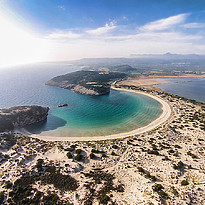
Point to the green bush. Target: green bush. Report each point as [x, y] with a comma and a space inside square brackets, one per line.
[69, 155]
[175, 192]
[78, 151]
[92, 156]
[153, 152]
[115, 146]
[157, 187]
[8, 185]
[184, 183]
[104, 155]
[140, 169]
[1, 197]
[39, 164]
[163, 194]
[78, 157]
[179, 166]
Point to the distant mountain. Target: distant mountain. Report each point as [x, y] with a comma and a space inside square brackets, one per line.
[168, 56]
[122, 68]
[167, 61]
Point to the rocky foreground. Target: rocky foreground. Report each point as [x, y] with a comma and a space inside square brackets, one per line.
[21, 116]
[164, 166]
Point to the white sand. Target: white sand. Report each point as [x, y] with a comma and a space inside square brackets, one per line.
[166, 113]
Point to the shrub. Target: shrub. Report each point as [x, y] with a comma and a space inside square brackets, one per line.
[104, 155]
[78, 157]
[1, 197]
[153, 152]
[39, 164]
[184, 183]
[69, 155]
[175, 192]
[180, 165]
[96, 151]
[92, 156]
[157, 187]
[191, 154]
[115, 146]
[189, 167]
[149, 176]
[70, 149]
[78, 151]
[163, 194]
[140, 169]
[8, 185]
[103, 199]
[120, 188]
[60, 181]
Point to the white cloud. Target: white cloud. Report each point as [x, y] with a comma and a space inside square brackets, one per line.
[165, 23]
[194, 25]
[20, 45]
[61, 7]
[102, 30]
[63, 34]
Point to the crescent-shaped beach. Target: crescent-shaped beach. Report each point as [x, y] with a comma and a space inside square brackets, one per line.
[166, 113]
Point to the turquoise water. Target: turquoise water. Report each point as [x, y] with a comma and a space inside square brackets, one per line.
[86, 115]
[193, 88]
[104, 115]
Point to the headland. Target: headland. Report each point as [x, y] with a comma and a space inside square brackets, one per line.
[87, 82]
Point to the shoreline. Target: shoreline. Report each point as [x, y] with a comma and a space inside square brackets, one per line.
[165, 115]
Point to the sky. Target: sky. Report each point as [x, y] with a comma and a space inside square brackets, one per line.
[60, 30]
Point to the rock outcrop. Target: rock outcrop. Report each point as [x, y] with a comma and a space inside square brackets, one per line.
[21, 116]
[87, 82]
[85, 91]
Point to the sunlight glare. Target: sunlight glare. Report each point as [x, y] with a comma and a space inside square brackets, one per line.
[17, 44]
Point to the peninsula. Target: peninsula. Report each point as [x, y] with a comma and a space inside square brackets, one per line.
[20, 116]
[87, 82]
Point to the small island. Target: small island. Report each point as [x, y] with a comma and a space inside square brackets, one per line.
[21, 116]
[87, 82]
[63, 105]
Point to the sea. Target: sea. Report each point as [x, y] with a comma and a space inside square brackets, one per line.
[85, 116]
[193, 88]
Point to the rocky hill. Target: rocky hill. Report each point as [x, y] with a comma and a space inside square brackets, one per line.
[87, 82]
[20, 116]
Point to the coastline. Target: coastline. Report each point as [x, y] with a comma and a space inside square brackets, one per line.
[165, 115]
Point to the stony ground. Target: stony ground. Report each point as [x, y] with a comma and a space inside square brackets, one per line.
[164, 166]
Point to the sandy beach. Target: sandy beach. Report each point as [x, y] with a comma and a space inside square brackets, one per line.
[122, 171]
[166, 112]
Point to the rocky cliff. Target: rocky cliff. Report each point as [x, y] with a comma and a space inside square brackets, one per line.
[21, 116]
[86, 91]
[87, 82]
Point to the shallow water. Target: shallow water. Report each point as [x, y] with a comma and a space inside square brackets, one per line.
[193, 88]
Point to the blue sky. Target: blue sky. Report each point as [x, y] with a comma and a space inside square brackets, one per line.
[72, 29]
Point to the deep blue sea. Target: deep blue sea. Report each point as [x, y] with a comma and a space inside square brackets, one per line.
[193, 88]
[85, 115]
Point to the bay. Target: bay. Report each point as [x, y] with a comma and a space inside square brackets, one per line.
[85, 115]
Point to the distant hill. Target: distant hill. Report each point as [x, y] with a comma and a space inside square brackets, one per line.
[168, 55]
[122, 68]
[87, 82]
[167, 61]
